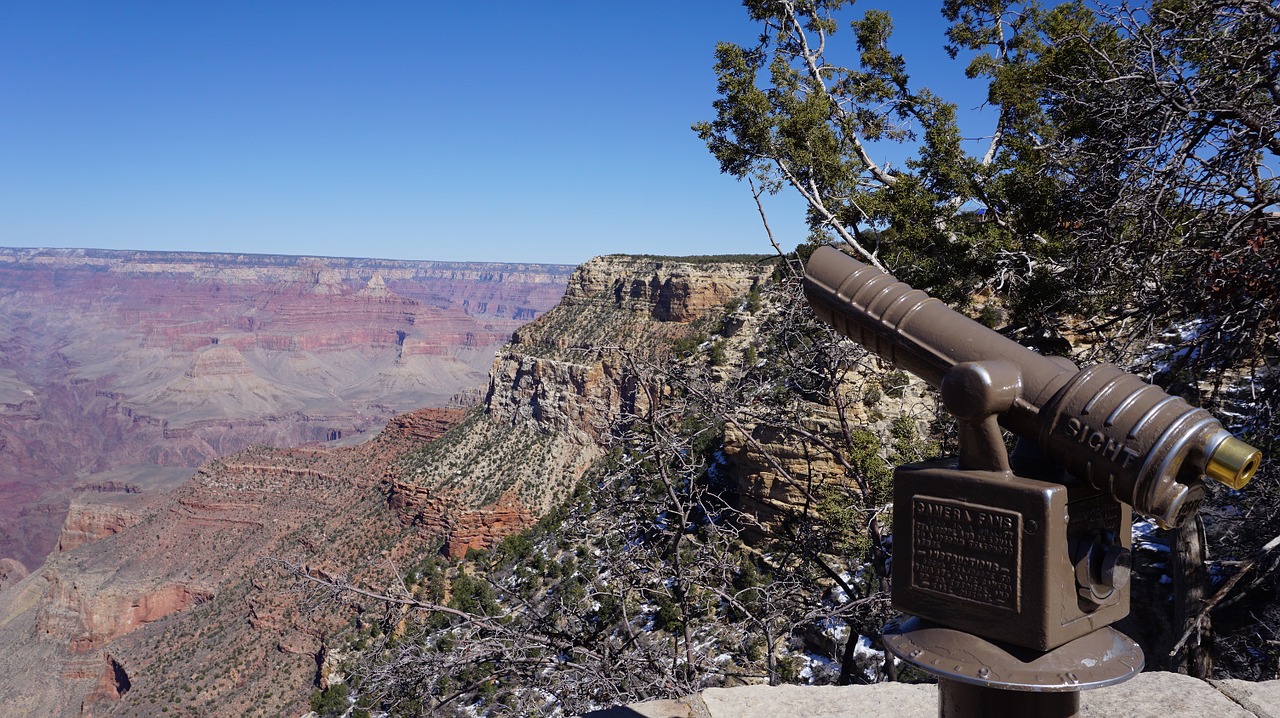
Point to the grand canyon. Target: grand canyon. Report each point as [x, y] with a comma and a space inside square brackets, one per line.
[209, 483]
[247, 420]
[134, 368]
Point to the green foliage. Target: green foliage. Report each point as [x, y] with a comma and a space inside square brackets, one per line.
[516, 546]
[798, 108]
[872, 396]
[704, 434]
[789, 669]
[687, 346]
[785, 123]
[716, 355]
[332, 701]
[472, 595]
[990, 316]
[864, 455]
[909, 446]
[668, 616]
[894, 383]
[842, 521]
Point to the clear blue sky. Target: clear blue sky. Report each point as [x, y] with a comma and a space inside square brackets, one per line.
[543, 131]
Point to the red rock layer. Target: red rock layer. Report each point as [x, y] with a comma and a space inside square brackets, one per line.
[86, 523]
[114, 358]
[195, 592]
[446, 515]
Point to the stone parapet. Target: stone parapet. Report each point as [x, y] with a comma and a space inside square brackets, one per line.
[1148, 695]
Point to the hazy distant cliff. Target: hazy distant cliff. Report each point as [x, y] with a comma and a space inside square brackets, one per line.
[110, 359]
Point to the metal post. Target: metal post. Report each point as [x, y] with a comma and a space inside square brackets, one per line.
[964, 700]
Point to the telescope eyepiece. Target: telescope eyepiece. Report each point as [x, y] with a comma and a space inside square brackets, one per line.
[1233, 463]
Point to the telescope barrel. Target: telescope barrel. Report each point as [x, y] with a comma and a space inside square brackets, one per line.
[1104, 425]
[918, 333]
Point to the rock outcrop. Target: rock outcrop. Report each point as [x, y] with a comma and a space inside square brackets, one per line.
[11, 572]
[580, 396]
[86, 523]
[560, 371]
[780, 479]
[673, 289]
[556, 390]
[89, 615]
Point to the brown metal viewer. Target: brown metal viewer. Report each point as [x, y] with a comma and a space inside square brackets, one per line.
[1013, 567]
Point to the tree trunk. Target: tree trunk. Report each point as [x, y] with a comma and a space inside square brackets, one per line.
[1188, 553]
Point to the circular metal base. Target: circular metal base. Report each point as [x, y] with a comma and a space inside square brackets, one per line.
[1102, 658]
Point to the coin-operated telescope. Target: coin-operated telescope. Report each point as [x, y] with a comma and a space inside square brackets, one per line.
[1014, 566]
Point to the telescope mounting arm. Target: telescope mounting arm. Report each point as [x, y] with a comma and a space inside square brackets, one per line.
[978, 393]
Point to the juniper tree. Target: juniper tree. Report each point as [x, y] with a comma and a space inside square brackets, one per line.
[1167, 117]
[1128, 188]
[802, 108]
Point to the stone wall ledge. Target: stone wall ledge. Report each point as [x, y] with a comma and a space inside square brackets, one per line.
[1147, 695]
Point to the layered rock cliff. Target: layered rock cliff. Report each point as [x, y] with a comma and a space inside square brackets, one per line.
[557, 389]
[110, 359]
[109, 502]
[182, 600]
[779, 478]
[612, 368]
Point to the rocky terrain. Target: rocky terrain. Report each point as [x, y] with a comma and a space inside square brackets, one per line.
[559, 386]
[110, 360]
[694, 392]
[176, 594]
[185, 601]
[182, 601]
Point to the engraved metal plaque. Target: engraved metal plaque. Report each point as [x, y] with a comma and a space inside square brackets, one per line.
[1099, 512]
[989, 553]
[966, 551]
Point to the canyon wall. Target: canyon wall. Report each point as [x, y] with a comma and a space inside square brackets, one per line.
[170, 594]
[179, 591]
[558, 388]
[112, 359]
[164, 600]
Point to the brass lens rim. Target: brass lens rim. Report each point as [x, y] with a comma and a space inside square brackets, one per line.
[1233, 463]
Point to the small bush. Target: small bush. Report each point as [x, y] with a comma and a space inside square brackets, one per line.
[894, 384]
[717, 355]
[332, 701]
